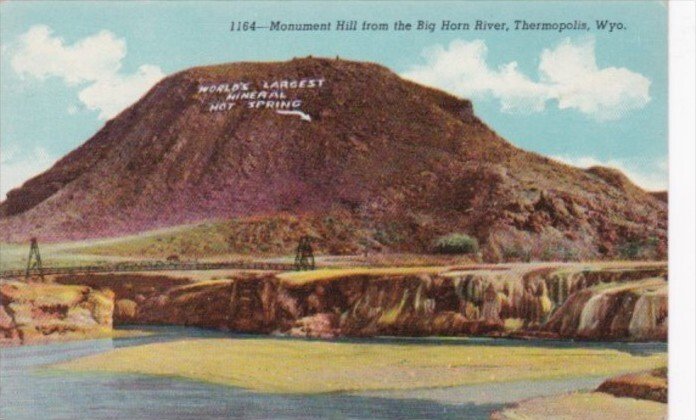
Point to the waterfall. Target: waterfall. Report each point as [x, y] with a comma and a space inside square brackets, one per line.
[644, 319]
[591, 313]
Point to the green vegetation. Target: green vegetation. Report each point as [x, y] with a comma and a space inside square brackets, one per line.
[225, 239]
[299, 366]
[188, 241]
[456, 243]
[14, 256]
[516, 252]
[639, 249]
[275, 235]
[389, 234]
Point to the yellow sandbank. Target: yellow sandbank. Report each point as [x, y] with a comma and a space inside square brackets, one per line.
[298, 366]
[581, 406]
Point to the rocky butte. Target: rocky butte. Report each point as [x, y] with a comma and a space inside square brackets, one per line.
[390, 162]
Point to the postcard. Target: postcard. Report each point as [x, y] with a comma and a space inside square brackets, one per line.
[334, 210]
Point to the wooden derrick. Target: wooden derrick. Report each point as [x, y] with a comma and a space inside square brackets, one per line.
[304, 257]
[34, 264]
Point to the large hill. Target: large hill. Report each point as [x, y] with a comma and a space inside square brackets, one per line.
[393, 164]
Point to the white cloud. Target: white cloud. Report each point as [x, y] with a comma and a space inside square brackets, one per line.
[571, 72]
[111, 94]
[568, 74]
[462, 69]
[651, 176]
[92, 63]
[15, 170]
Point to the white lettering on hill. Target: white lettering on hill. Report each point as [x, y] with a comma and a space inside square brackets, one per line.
[302, 115]
[282, 95]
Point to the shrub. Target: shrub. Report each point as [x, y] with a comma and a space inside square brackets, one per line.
[637, 249]
[516, 252]
[456, 243]
[389, 234]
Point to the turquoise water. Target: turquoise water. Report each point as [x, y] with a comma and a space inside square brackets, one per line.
[28, 392]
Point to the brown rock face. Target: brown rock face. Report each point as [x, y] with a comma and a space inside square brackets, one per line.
[643, 386]
[581, 303]
[400, 162]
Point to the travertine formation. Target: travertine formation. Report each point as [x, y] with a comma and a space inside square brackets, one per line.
[624, 303]
[33, 313]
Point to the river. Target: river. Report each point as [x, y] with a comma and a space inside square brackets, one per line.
[29, 392]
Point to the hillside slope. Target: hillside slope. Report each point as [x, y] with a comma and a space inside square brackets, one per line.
[395, 164]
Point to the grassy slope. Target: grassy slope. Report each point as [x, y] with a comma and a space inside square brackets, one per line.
[269, 235]
[14, 256]
[206, 239]
[294, 366]
[260, 236]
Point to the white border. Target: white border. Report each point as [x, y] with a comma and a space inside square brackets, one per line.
[682, 211]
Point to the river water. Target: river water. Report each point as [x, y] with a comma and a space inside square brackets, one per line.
[29, 392]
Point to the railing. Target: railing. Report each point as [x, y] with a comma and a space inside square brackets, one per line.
[153, 266]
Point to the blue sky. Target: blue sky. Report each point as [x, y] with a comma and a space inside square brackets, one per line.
[585, 97]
